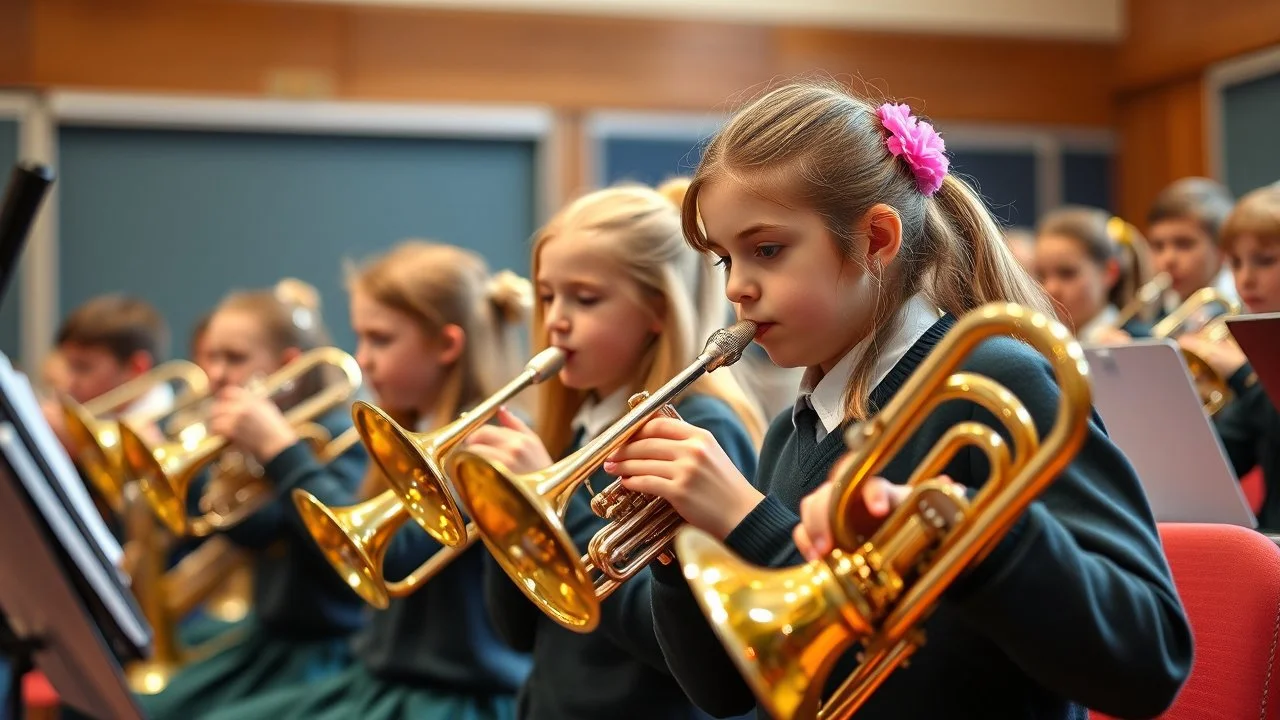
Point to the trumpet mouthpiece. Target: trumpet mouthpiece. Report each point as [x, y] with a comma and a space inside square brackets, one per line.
[725, 345]
[546, 363]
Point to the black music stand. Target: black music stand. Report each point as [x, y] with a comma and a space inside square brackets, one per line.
[64, 605]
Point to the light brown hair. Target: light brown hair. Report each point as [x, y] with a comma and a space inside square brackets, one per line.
[121, 324]
[439, 285]
[1257, 214]
[1105, 237]
[642, 228]
[1204, 201]
[816, 145]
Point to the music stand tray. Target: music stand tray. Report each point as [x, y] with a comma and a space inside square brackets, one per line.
[1259, 337]
[1151, 410]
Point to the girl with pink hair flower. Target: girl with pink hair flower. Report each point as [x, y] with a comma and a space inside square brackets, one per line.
[845, 238]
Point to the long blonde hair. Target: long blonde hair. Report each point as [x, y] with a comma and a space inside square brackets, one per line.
[816, 145]
[439, 285]
[642, 233]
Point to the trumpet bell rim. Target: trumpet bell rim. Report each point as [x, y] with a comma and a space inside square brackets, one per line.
[140, 461]
[525, 534]
[350, 560]
[97, 444]
[416, 477]
[710, 568]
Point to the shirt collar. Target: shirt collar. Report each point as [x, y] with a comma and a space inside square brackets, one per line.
[825, 393]
[595, 416]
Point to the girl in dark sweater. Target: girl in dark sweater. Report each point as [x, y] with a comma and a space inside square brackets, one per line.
[843, 235]
[615, 290]
[302, 614]
[436, 335]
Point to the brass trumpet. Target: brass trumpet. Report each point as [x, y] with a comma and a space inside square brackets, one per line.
[95, 433]
[786, 629]
[411, 462]
[521, 517]
[355, 539]
[165, 473]
[1150, 292]
[1214, 391]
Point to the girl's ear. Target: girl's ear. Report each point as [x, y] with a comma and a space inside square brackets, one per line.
[452, 341]
[883, 229]
[289, 355]
[1111, 274]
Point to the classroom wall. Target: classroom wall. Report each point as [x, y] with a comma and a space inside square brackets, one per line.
[1160, 86]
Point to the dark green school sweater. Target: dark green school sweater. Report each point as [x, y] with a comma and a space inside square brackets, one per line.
[296, 593]
[1250, 430]
[440, 636]
[619, 670]
[1075, 607]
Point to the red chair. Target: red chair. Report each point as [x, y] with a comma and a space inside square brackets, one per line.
[1229, 581]
[39, 697]
[1254, 488]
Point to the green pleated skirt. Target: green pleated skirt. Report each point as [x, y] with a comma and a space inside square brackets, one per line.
[252, 664]
[199, 628]
[358, 694]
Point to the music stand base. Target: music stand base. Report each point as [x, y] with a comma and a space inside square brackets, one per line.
[20, 652]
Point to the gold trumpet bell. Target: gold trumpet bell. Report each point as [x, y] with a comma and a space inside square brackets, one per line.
[410, 463]
[526, 535]
[785, 629]
[164, 476]
[150, 677]
[355, 539]
[98, 454]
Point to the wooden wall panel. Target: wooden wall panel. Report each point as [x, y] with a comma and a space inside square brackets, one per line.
[1175, 39]
[964, 77]
[387, 53]
[565, 61]
[15, 36]
[191, 46]
[1162, 138]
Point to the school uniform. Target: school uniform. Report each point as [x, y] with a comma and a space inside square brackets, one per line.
[1091, 331]
[1074, 607]
[304, 613]
[1250, 430]
[431, 655]
[617, 671]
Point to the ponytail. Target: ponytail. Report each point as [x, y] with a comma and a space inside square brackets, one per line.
[1136, 264]
[977, 266]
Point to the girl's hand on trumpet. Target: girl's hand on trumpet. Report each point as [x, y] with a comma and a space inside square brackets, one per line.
[684, 465]
[878, 498]
[252, 422]
[510, 442]
[1224, 357]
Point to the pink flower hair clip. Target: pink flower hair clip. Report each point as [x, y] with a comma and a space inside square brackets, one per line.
[917, 143]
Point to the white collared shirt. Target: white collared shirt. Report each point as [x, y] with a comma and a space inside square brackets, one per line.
[595, 416]
[1103, 320]
[825, 394]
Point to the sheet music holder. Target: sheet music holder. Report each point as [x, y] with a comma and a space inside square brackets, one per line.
[1152, 411]
[64, 605]
[26, 189]
[1259, 337]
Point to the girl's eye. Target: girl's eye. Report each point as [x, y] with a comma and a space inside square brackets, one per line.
[545, 299]
[723, 262]
[768, 251]
[588, 300]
